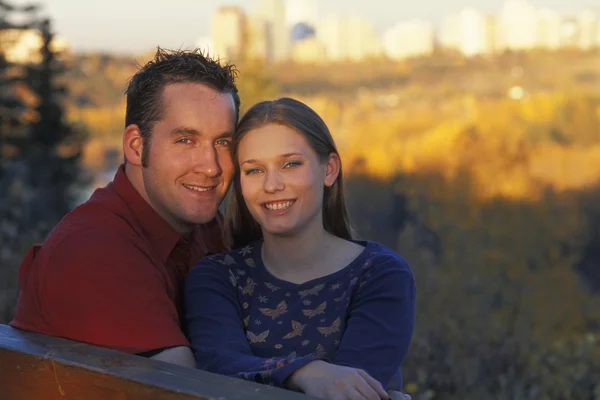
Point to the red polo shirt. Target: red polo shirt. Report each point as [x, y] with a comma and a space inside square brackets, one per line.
[111, 273]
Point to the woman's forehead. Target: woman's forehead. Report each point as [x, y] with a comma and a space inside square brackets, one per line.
[272, 140]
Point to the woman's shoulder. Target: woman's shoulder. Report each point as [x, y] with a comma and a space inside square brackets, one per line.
[379, 255]
[383, 269]
[239, 258]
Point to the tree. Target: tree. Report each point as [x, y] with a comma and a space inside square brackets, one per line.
[40, 151]
[54, 147]
[12, 167]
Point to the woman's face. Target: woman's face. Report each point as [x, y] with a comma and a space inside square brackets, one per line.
[282, 179]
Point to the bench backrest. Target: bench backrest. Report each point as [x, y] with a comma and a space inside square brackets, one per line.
[34, 366]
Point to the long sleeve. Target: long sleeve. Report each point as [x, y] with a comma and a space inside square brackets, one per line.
[216, 332]
[381, 320]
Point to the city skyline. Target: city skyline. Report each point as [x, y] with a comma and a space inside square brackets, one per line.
[137, 26]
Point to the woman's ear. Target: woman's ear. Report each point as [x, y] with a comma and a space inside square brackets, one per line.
[332, 169]
[133, 145]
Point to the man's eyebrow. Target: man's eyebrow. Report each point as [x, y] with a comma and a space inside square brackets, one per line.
[225, 135]
[185, 130]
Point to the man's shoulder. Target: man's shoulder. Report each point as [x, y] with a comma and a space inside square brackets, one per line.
[101, 224]
[104, 212]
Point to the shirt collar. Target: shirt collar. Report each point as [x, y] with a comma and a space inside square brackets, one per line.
[160, 234]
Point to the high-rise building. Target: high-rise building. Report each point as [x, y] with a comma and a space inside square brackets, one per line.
[409, 39]
[548, 27]
[569, 32]
[469, 32]
[598, 35]
[587, 27]
[348, 38]
[518, 25]
[228, 32]
[259, 40]
[449, 33]
[493, 34]
[272, 12]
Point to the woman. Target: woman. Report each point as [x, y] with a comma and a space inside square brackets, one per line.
[300, 304]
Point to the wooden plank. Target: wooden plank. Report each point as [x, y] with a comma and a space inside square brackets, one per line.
[34, 366]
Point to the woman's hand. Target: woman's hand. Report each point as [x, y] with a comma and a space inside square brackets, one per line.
[335, 382]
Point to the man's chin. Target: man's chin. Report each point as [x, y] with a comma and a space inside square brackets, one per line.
[203, 218]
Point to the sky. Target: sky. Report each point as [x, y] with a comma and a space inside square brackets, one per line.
[135, 26]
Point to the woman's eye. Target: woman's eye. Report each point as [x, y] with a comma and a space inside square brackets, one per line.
[251, 171]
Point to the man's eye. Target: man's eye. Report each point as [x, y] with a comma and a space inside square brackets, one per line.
[224, 142]
[292, 164]
[184, 141]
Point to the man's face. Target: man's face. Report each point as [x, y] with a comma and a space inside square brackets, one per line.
[189, 161]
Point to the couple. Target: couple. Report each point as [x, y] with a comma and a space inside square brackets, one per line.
[278, 292]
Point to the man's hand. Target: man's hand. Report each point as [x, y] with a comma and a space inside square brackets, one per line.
[335, 382]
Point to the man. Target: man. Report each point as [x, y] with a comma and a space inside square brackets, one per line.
[111, 272]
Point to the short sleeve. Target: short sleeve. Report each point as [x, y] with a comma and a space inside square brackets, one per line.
[105, 290]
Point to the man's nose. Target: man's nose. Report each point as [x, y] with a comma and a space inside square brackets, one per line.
[207, 161]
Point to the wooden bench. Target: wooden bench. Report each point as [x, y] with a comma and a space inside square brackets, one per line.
[34, 366]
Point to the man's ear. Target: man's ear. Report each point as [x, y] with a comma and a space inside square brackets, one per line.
[332, 169]
[133, 145]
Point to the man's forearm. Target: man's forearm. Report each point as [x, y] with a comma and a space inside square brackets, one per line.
[180, 355]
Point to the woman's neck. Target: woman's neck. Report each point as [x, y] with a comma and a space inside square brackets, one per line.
[299, 258]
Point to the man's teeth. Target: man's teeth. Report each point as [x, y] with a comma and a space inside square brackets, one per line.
[278, 206]
[198, 188]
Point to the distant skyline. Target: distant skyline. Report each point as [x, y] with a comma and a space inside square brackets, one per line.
[134, 26]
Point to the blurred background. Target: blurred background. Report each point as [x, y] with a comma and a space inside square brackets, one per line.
[469, 131]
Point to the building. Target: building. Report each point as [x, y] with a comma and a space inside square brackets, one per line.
[548, 28]
[587, 27]
[348, 38]
[517, 25]
[409, 39]
[469, 32]
[259, 40]
[228, 32]
[271, 13]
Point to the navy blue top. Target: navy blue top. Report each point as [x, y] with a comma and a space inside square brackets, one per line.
[242, 321]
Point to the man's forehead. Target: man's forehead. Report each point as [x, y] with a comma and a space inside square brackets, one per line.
[199, 90]
[194, 97]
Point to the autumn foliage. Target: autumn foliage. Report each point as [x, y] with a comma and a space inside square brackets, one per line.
[484, 174]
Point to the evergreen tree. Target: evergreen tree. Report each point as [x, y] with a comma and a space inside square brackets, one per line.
[12, 166]
[54, 147]
[39, 150]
